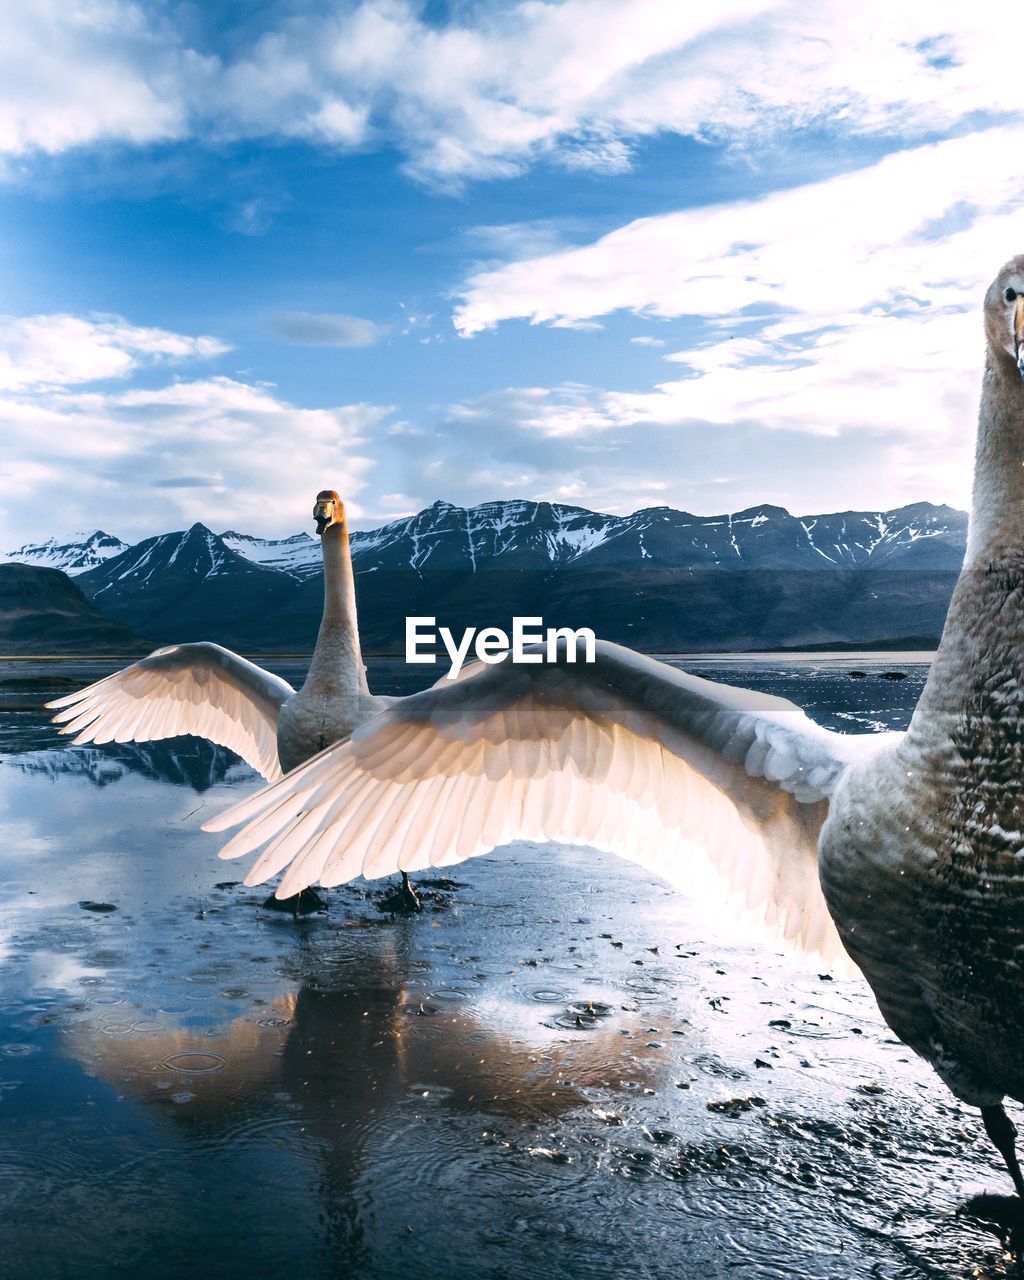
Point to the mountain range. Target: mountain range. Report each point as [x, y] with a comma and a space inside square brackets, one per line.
[659, 579]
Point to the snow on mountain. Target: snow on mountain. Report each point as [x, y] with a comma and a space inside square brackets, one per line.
[523, 535]
[514, 535]
[921, 534]
[189, 585]
[196, 554]
[541, 535]
[298, 555]
[74, 554]
[658, 578]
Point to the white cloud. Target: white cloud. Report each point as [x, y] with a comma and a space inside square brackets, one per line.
[87, 71]
[144, 459]
[501, 85]
[916, 372]
[571, 410]
[823, 251]
[848, 305]
[62, 350]
[617, 453]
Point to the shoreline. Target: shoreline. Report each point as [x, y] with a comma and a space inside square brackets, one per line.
[860, 656]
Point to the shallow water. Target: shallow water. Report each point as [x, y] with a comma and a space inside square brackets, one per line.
[559, 1069]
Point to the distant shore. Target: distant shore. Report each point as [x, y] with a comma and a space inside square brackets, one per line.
[751, 655]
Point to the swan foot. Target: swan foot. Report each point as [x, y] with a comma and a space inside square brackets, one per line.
[405, 899]
[1006, 1212]
[409, 893]
[1003, 1215]
[299, 904]
[1003, 1134]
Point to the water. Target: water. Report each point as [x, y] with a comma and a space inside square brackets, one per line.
[559, 1069]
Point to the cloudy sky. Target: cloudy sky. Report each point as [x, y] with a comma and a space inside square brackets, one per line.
[617, 253]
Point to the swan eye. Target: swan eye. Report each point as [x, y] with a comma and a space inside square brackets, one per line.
[1010, 295]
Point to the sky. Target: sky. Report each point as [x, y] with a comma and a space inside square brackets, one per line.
[610, 253]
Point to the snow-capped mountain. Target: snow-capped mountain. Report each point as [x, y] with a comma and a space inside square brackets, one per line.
[921, 535]
[543, 535]
[515, 534]
[74, 554]
[658, 579]
[188, 586]
[196, 553]
[298, 555]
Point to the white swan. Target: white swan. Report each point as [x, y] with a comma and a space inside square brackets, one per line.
[918, 838]
[206, 690]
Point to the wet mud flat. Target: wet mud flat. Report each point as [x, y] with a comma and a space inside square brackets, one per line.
[559, 1068]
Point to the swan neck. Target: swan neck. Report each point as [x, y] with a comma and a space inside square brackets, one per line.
[337, 659]
[997, 506]
[981, 651]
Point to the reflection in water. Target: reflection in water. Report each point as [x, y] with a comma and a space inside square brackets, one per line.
[564, 1073]
[358, 1070]
[369, 1047]
[185, 762]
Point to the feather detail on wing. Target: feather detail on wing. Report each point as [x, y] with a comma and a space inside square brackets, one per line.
[711, 787]
[201, 689]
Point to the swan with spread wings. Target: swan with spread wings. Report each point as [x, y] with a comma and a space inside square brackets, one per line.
[906, 849]
[207, 691]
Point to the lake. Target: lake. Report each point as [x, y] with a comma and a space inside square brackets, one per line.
[559, 1069]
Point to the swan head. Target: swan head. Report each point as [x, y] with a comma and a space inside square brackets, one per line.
[1004, 312]
[328, 510]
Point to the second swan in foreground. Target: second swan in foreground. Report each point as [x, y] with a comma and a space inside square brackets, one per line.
[917, 839]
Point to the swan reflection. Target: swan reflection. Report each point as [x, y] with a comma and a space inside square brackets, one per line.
[368, 1079]
[343, 1051]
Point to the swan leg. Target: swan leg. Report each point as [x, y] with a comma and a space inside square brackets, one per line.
[1003, 1132]
[409, 893]
[401, 901]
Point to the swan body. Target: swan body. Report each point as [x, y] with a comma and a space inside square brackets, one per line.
[902, 851]
[940, 934]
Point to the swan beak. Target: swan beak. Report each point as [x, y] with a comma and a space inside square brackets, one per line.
[328, 510]
[1018, 332]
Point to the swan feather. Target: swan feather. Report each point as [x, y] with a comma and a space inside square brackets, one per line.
[200, 689]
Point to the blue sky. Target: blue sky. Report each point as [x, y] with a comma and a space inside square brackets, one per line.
[616, 253]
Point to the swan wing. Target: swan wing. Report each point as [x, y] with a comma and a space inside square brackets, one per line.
[708, 786]
[200, 689]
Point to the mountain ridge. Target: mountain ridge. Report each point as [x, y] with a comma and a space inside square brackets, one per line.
[658, 579]
[521, 533]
